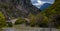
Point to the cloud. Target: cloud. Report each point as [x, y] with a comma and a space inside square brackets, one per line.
[39, 3]
[48, 1]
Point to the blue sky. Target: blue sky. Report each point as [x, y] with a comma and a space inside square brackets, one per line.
[39, 3]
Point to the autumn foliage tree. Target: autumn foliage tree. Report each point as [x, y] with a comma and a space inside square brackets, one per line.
[2, 20]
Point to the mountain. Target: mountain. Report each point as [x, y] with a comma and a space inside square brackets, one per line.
[17, 8]
[44, 6]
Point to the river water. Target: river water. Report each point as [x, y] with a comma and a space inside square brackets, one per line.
[27, 28]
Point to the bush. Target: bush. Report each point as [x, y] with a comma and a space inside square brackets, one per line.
[38, 21]
[9, 24]
[32, 20]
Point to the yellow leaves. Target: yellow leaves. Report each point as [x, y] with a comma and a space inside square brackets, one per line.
[45, 20]
[32, 18]
[2, 16]
[53, 11]
[2, 20]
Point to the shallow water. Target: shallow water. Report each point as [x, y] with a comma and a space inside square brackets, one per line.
[27, 28]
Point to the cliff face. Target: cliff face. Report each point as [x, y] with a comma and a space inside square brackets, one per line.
[16, 8]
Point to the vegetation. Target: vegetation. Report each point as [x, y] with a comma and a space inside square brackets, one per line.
[47, 18]
[2, 20]
[9, 24]
[38, 20]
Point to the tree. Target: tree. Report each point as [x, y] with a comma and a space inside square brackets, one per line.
[2, 20]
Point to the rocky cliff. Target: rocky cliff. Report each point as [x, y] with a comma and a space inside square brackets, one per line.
[16, 8]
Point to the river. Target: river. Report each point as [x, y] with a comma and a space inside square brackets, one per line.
[27, 28]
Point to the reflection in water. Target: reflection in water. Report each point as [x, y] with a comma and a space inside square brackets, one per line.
[9, 29]
[31, 29]
[27, 28]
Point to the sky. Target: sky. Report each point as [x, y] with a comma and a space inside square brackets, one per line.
[39, 3]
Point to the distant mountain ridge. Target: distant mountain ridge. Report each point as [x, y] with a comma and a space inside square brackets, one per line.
[44, 6]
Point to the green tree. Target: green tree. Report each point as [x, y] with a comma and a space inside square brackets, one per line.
[2, 20]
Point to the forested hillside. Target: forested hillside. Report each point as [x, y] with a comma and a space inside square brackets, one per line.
[49, 17]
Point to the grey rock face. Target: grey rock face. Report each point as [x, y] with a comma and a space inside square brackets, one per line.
[18, 8]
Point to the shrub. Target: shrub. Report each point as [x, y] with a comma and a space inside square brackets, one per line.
[9, 24]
